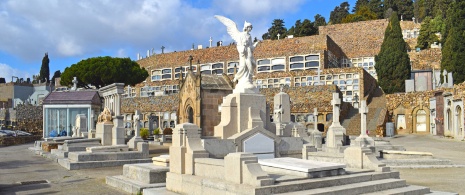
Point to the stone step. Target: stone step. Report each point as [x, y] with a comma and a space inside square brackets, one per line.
[415, 162]
[442, 193]
[328, 182]
[408, 190]
[157, 191]
[70, 165]
[131, 186]
[145, 173]
[355, 188]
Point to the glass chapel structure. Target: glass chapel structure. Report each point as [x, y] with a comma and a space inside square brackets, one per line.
[60, 110]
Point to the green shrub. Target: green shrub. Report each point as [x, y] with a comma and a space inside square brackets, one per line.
[144, 133]
[168, 131]
[156, 131]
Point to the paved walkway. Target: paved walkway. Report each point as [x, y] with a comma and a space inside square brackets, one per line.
[17, 164]
[441, 179]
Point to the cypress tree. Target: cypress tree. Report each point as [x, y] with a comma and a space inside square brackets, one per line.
[392, 62]
[44, 69]
[453, 52]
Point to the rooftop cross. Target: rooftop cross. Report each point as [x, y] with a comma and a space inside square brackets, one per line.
[190, 62]
[210, 41]
[162, 49]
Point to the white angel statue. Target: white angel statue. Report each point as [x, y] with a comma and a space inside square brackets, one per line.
[245, 47]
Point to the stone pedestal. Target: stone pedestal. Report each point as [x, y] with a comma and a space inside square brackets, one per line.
[241, 111]
[104, 132]
[335, 136]
[316, 138]
[91, 134]
[363, 141]
[118, 131]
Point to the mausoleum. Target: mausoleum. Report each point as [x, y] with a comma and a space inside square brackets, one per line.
[60, 110]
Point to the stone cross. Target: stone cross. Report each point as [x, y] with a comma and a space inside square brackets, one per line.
[315, 119]
[363, 122]
[75, 82]
[137, 117]
[210, 41]
[153, 51]
[336, 102]
[279, 35]
[162, 49]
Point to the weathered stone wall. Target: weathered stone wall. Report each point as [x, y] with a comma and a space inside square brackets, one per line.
[168, 103]
[426, 59]
[211, 99]
[30, 118]
[359, 39]
[9, 141]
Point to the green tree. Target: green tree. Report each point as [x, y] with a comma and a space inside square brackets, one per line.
[295, 30]
[360, 3]
[403, 8]
[307, 28]
[427, 35]
[319, 20]
[277, 27]
[102, 71]
[453, 52]
[363, 14]
[377, 7]
[339, 13]
[392, 62]
[44, 69]
[57, 74]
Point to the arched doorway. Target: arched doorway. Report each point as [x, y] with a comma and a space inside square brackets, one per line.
[421, 121]
[190, 114]
[459, 119]
[449, 120]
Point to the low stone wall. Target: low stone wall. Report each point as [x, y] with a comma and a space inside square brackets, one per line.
[30, 119]
[9, 141]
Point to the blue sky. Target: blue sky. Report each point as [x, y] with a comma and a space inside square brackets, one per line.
[71, 30]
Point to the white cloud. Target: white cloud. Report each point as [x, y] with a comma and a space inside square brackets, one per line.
[7, 72]
[121, 53]
[90, 27]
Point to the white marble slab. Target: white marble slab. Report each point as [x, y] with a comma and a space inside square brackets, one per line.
[301, 165]
[259, 143]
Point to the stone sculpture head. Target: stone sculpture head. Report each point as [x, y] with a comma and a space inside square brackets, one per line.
[247, 26]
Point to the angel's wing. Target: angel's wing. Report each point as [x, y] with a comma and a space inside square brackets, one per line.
[231, 27]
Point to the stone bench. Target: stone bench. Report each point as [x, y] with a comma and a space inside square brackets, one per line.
[396, 154]
[115, 148]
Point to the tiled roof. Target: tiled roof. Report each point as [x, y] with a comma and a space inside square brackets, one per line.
[73, 97]
[215, 82]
